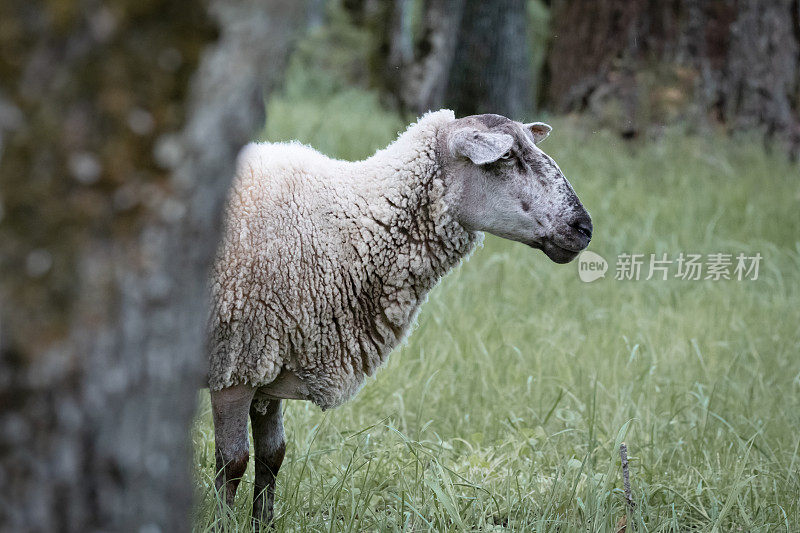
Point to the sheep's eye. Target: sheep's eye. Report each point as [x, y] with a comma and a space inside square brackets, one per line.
[506, 156]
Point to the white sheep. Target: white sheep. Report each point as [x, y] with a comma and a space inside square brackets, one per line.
[324, 263]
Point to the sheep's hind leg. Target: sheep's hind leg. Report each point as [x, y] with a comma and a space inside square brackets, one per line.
[270, 446]
[232, 450]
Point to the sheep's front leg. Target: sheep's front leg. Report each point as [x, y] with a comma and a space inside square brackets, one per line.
[270, 446]
[229, 408]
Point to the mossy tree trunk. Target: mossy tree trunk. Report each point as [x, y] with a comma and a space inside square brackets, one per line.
[119, 124]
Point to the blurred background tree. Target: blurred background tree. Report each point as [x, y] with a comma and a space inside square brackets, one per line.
[474, 57]
[631, 65]
[637, 63]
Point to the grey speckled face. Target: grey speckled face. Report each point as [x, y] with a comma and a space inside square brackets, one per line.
[502, 183]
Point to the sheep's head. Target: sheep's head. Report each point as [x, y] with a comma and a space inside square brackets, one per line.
[499, 181]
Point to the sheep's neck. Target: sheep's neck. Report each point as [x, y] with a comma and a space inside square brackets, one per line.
[423, 241]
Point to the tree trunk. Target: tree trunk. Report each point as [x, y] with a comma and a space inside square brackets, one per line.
[491, 71]
[637, 62]
[472, 56]
[112, 175]
[425, 75]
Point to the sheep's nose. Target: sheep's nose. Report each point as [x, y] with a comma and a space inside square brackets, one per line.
[583, 225]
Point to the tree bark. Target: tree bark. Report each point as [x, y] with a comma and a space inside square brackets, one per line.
[112, 176]
[639, 62]
[491, 71]
[469, 55]
[424, 75]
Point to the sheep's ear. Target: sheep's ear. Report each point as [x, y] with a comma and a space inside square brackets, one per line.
[539, 130]
[480, 147]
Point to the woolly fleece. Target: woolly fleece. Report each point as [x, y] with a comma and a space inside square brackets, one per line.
[324, 263]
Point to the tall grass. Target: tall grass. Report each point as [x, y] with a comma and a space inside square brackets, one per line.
[506, 407]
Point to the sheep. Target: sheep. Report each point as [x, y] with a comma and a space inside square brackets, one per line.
[324, 264]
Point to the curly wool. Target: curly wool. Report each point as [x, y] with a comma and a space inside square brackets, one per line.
[324, 263]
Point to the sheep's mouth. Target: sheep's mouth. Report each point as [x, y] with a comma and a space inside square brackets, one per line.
[557, 254]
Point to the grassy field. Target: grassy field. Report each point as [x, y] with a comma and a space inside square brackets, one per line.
[506, 407]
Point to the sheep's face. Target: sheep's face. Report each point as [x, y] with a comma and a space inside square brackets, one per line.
[499, 181]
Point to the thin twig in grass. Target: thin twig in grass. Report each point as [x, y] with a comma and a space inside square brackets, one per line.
[626, 481]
